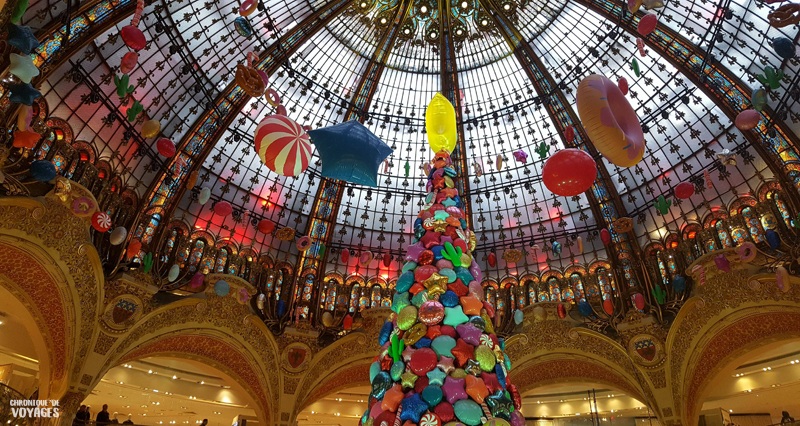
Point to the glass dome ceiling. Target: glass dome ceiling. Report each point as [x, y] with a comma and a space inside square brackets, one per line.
[381, 61]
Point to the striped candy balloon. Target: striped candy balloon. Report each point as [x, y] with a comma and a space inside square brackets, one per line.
[283, 145]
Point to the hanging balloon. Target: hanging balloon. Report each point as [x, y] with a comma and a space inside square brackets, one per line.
[638, 301]
[622, 83]
[348, 322]
[304, 243]
[647, 24]
[345, 255]
[492, 258]
[173, 273]
[608, 306]
[758, 98]
[387, 259]
[248, 7]
[134, 247]
[266, 226]
[150, 129]
[610, 121]
[499, 162]
[784, 47]
[282, 145]
[365, 258]
[605, 236]
[243, 27]
[261, 300]
[569, 172]
[580, 245]
[569, 133]
[327, 319]
[197, 279]
[782, 279]
[684, 190]
[133, 37]
[281, 309]
[747, 119]
[118, 236]
[165, 147]
[222, 288]
[440, 124]
[561, 310]
[128, 62]
[518, 316]
[204, 195]
[101, 221]
[584, 308]
[43, 170]
[192, 180]
[223, 208]
[635, 67]
[773, 239]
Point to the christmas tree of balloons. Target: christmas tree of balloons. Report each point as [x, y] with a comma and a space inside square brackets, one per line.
[440, 361]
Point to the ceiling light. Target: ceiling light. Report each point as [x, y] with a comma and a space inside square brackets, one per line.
[464, 4]
[406, 31]
[423, 9]
[150, 371]
[383, 20]
[459, 31]
[506, 6]
[484, 22]
[363, 4]
[174, 377]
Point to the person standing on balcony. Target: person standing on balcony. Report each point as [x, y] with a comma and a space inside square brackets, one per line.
[786, 418]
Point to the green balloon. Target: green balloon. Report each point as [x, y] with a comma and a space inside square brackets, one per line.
[468, 411]
[432, 395]
[397, 370]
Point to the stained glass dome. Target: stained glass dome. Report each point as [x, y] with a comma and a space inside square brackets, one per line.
[511, 69]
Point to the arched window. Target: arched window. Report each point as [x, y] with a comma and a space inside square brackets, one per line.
[555, 291]
[787, 217]
[307, 287]
[270, 282]
[196, 254]
[491, 296]
[173, 235]
[722, 232]
[375, 297]
[530, 286]
[750, 218]
[577, 287]
[355, 294]
[606, 281]
[330, 298]
[278, 284]
[222, 258]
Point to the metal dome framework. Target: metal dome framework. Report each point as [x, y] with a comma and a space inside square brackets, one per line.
[510, 69]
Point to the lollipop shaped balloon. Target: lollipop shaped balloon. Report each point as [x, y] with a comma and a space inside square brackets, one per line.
[440, 123]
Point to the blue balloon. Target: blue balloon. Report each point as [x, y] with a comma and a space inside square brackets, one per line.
[281, 307]
[784, 47]
[678, 284]
[449, 299]
[350, 152]
[222, 288]
[585, 308]
[423, 343]
[43, 170]
[501, 376]
[243, 27]
[773, 239]
[385, 334]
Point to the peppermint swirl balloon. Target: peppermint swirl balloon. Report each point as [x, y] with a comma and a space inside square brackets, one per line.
[282, 145]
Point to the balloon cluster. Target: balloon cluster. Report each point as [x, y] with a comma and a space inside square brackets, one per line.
[24, 69]
[441, 360]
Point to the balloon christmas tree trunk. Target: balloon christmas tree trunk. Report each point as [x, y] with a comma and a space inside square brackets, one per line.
[441, 362]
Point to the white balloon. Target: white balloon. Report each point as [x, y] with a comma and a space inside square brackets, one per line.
[118, 235]
[205, 194]
[518, 316]
[174, 271]
[261, 300]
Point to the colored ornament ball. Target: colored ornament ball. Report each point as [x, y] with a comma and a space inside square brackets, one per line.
[784, 47]
[747, 119]
[150, 129]
[684, 190]
[43, 170]
[101, 221]
[243, 27]
[222, 288]
[266, 226]
[569, 172]
[282, 145]
[128, 62]
[223, 208]
[133, 37]
[165, 147]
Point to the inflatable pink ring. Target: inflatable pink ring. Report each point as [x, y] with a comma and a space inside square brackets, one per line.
[610, 121]
[273, 98]
[248, 7]
[747, 252]
[365, 258]
[304, 243]
[83, 207]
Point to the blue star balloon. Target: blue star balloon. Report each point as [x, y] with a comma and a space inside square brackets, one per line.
[22, 38]
[350, 152]
[23, 94]
[413, 408]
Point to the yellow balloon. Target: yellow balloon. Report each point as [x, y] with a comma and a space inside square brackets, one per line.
[150, 128]
[440, 123]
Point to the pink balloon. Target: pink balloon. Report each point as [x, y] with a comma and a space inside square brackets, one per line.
[128, 62]
[223, 208]
[747, 119]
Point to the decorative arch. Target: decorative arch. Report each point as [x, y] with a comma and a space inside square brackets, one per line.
[217, 350]
[731, 338]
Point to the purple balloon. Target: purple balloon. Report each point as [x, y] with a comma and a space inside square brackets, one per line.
[197, 280]
[475, 270]
[517, 419]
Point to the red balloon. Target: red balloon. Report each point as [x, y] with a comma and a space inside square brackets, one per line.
[345, 255]
[101, 221]
[133, 248]
[569, 133]
[684, 190]
[266, 226]
[445, 411]
[569, 172]
[347, 323]
[638, 301]
[133, 37]
[387, 259]
[562, 311]
[385, 418]
[422, 361]
[605, 236]
[128, 62]
[492, 260]
[165, 147]
[623, 85]
[223, 208]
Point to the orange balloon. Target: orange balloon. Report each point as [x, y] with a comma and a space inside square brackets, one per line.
[476, 388]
